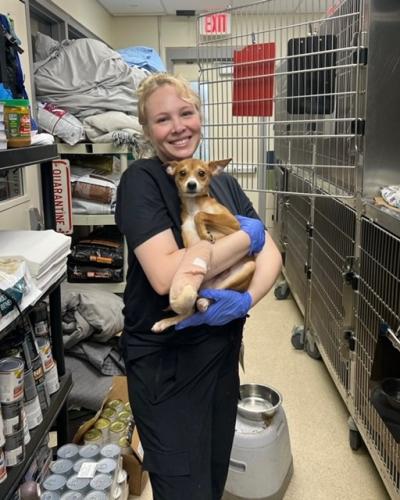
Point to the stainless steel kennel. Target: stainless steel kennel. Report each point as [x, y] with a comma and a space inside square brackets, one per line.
[303, 95]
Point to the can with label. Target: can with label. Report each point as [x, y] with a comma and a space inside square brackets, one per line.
[45, 353]
[102, 482]
[116, 404]
[40, 319]
[89, 451]
[106, 466]
[12, 417]
[3, 469]
[54, 482]
[52, 381]
[34, 415]
[103, 425]
[11, 379]
[62, 466]
[14, 449]
[93, 436]
[37, 368]
[30, 391]
[117, 431]
[80, 484]
[109, 413]
[43, 394]
[69, 450]
[110, 451]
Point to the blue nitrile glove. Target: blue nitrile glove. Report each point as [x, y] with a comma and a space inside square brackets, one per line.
[227, 306]
[255, 230]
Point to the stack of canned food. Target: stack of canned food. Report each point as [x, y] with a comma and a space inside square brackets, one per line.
[88, 472]
[115, 425]
[28, 376]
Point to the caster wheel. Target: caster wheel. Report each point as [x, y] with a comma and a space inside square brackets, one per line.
[282, 291]
[355, 439]
[311, 348]
[297, 338]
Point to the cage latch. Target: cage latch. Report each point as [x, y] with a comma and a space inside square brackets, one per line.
[307, 270]
[309, 229]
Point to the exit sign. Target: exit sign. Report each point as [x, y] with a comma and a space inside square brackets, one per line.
[216, 24]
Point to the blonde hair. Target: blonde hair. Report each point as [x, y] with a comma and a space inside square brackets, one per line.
[157, 80]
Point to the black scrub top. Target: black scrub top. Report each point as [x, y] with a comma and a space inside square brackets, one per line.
[147, 204]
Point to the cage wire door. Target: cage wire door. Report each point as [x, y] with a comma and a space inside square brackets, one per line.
[285, 92]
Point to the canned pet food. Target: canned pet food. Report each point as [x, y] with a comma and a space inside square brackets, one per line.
[117, 431]
[12, 417]
[54, 482]
[110, 451]
[45, 352]
[30, 391]
[3, 470]
[52, 382]
[40, 319]
[102, 482]
[109, 413]
[125, 416]
[33, 413]
[123, 443]
[11, 379]
[43, 393]
[14, 449]
[106, 466]
[49, 495]
[103, 425]
[37, 368]
[96, 495]
[76, 483]
[89, 451]
[70, 451]
[116, 404]
[62, 466]
[72, 495]
[78, 464]
[93, 436]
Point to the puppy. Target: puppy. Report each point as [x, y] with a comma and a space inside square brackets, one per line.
[203, 218]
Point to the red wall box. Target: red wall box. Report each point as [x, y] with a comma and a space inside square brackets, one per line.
[253, 80]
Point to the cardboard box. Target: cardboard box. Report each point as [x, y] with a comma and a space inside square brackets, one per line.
[133, 464]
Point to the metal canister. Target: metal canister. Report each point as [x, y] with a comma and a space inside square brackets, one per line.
[106, 466]
[78, 464]
[40, 319]
[110, 451]
[96, 495]
[14, 449]
[45, 353]
[109, 413]
[123, 443]
[52, 380]
[72, 495]
[30, 391]
[117, 404]
[102, 482]
[103, 425]
[34, 415]
[89, 451]
[69, 450]
[125, 416]
[3, 469]
[62, 466]
[12, 417]
[54, 482]
[37, 368]
[43, 393]
[93, 436]
[117, 431]
[80, 484]
[11, 379]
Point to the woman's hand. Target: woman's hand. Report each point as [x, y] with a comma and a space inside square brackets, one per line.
[255, 230]
[226, 306]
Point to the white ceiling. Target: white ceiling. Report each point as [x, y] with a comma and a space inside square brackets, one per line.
[169, 7]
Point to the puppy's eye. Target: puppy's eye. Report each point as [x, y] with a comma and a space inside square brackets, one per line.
[201, 173]
[182, 173]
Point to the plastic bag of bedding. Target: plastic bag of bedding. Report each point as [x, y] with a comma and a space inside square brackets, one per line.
[60, 123]
[391, 194]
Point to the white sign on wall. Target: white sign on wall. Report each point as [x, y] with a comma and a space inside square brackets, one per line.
[216, 24]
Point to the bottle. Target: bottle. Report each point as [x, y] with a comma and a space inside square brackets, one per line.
[17, 120]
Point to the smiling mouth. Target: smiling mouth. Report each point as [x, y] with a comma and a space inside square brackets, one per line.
[181, 142]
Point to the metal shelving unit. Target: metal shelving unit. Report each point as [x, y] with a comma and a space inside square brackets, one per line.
[19, 158]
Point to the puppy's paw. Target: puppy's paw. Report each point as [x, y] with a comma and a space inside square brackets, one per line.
[159, 327]
[202, 304]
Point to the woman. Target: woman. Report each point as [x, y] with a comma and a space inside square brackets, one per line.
[183, 384]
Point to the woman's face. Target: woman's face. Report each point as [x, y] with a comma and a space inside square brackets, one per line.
[173, 124]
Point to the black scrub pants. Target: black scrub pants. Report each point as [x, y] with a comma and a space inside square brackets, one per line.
[184, 400]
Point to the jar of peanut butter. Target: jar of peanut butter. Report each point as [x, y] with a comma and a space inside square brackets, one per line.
[17, 122]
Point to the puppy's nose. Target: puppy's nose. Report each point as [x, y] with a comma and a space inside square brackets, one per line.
[191, 185]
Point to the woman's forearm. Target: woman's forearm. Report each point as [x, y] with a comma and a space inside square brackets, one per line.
[227, 251]
[268, 267]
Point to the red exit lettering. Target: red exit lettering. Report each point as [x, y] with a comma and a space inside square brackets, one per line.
[214, 24]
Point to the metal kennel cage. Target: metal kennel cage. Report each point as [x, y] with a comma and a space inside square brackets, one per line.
[291, 91]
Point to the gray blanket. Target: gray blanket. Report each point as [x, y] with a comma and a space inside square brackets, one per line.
[84, 76]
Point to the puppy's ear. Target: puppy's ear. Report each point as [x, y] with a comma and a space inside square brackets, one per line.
[171, 167]
[218, 165]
